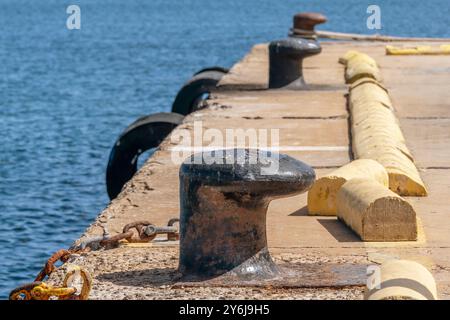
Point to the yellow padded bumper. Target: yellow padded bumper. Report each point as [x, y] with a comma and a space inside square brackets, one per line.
[358, 66]
[376, 132]
[418, 50]
[402, 280]
[374, 212]
[322, 195]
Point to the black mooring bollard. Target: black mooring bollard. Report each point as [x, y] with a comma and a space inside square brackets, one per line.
[286, 56]
[224, 206]
[286, 61]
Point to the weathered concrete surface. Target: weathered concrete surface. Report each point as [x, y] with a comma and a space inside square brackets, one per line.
[316, 118]
[149, 273]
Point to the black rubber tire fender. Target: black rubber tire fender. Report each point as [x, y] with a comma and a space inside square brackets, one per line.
[201, 83]
[215, 68]
[143, 134]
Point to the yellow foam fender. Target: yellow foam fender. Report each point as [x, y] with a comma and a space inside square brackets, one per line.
[401, 280]
[322, 195]
[376, 132]
[418, 50]
[374, 212]
[359, 65]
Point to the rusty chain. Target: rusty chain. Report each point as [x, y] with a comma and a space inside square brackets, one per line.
[146, 232]
[39, 290]
[60, 255]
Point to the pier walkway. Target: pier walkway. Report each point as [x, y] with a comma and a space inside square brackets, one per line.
[313, 127]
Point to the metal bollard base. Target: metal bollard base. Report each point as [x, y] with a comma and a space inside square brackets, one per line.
[305, 275]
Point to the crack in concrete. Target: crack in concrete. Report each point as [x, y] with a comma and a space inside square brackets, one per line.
[315, 118]
[426, 118]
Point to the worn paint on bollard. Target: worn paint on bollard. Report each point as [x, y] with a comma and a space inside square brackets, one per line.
[224, 206]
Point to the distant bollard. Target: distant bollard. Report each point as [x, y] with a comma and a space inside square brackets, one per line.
[286, 56]
[402, 280]
[223, 211]
[305, 22]
[286, 61]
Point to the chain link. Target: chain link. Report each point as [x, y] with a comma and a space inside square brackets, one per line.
[146, 232]
[39, 290]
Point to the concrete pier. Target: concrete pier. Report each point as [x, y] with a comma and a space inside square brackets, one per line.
[313, 127]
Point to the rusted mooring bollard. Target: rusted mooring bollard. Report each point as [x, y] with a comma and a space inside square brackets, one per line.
[306, 22]
[224, 206]
[286, 56]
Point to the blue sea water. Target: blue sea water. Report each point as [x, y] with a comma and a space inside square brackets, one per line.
[65, 95]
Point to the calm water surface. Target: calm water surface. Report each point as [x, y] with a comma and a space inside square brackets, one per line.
[66, 95]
